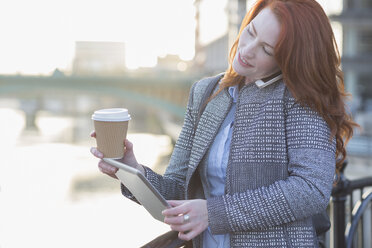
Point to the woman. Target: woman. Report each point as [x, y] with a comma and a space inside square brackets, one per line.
[261, 160]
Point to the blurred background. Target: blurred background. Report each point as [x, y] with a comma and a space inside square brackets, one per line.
[61, 60]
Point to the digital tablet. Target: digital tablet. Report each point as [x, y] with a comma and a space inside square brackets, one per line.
[141, 188]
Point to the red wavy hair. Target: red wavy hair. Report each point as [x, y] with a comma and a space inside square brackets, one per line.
[308, 57]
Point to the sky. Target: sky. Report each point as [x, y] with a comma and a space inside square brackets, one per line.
[39, 36]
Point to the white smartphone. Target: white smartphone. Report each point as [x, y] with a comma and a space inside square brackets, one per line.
[141, 188]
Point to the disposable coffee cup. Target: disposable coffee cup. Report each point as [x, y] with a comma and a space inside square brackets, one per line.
[111, 126]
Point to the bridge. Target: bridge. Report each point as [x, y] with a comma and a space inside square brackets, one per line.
[167, 94]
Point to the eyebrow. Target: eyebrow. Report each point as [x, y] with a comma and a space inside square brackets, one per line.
[255, 32]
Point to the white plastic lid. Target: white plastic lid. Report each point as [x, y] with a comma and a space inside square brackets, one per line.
[112, 114]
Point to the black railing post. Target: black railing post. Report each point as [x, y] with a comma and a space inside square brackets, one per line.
[338, 217]
[338, 213]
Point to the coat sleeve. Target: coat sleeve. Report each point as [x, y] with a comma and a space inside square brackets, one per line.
[172, 184]
[305, 192]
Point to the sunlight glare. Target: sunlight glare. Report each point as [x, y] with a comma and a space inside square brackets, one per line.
[12, 123]
[40, 35]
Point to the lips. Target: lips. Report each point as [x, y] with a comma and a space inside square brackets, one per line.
[243, 62]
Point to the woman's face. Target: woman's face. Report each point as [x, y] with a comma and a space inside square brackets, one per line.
[254, 57]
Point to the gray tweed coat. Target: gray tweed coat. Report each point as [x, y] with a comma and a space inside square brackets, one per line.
[280, 169]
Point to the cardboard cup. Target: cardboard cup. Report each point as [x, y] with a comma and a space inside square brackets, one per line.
[111, 126]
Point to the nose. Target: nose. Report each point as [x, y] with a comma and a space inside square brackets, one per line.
[248, 50]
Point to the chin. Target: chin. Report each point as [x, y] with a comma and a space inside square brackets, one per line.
[242, 72]
[239, 70]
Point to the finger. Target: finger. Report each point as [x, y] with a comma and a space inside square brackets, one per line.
[174, 220]
[183, 228]
[106, 168]
[93, 134]
[113, 176]
[175, 211]
[128, 145]
[175, 203]
[188, 235]
[96, 153]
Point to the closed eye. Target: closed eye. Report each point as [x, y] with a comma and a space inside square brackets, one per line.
[266, 51]
[249, 31]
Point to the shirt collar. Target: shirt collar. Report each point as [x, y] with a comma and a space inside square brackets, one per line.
[234, 92]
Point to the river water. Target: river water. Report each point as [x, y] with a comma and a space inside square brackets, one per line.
[52, 194]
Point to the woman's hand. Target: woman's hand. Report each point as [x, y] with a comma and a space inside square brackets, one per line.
[189, 217]
[129, 159]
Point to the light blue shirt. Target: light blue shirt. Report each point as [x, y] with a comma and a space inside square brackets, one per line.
[216, 172]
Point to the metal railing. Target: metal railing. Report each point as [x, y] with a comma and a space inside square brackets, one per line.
[351, 226]
[360, 146]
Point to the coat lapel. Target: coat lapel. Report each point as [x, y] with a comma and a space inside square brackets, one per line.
[210, 121]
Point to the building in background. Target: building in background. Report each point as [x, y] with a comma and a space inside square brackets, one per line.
[216, 55]
[171, 62]
[356, 21]
[236, 10]
[99, 58]
[212, 57]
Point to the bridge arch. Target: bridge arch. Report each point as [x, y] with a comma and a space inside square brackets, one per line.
[127, 88]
